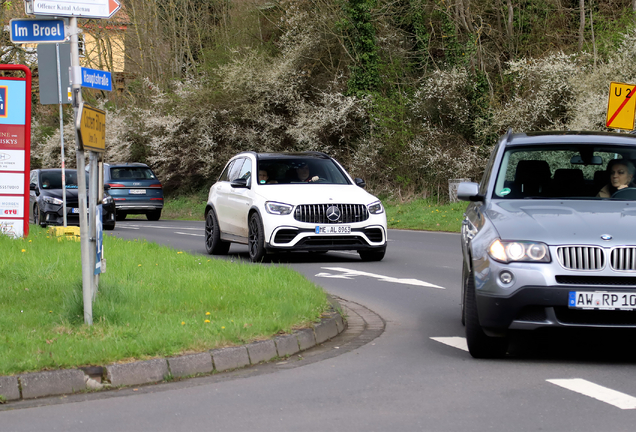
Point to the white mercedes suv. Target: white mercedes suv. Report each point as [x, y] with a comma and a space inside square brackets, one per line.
[292, 202]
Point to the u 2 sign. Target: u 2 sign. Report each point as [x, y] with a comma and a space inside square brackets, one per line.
[621, 106]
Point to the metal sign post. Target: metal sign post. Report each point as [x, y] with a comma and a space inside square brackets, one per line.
[59, 99]
[85, 243]
[90, 124]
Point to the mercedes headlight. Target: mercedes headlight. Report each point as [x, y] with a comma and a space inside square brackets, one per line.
[278, 208]
[51, 200]
[376, 208]
[519, 251]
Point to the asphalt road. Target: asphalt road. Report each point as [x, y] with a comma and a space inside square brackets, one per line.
[417, 375]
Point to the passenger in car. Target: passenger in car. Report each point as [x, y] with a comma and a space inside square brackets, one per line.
[263, 177]
[621, 175]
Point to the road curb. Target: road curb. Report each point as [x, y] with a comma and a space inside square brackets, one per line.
[68, 381]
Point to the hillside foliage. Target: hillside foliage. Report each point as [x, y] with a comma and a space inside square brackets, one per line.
[406, 94]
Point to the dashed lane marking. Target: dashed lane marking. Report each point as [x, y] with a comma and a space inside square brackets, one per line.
[455, 342]
[350, 273]
[190, 234]
[604, 394]
[160, 227]
[127, 227]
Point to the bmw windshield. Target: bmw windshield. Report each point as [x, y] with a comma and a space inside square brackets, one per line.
[567, 172]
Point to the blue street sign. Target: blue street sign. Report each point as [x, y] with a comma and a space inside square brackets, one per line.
[37, 31]
[96, 79]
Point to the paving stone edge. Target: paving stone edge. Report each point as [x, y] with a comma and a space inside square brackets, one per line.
[67, 381]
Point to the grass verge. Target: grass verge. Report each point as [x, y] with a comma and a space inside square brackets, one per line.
[153, 301]
[420, 214]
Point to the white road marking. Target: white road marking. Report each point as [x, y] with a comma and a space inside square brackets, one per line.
[126, 227]
[604, 394]
[190, 234]
[329, 275]
[348, 273]
[455, 342]
[163, 227]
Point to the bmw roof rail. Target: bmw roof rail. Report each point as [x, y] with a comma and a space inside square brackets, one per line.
[508, 136]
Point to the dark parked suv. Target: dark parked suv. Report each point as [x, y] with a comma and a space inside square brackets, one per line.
[135, 189]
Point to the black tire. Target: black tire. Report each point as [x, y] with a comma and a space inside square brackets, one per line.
[154, 215]
[256, 238]
[480, 345]
[109, 227]
[36, 216]
[213, 243]
[463, 299]
[369, 256]
[120, 216]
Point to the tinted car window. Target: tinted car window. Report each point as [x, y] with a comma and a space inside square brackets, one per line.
[53, 179]
[225, 175]
[131, 173]
[236, 169]
[246, 170]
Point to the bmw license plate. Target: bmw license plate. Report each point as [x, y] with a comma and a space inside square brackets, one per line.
[137, 191]
[333, 229]
[607, 300]
[75, 210]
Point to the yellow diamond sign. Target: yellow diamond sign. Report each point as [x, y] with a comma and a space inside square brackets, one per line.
[621, 106]
[93, 128]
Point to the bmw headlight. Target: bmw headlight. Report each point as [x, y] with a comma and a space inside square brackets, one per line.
[51, 200]
[376, 208]
[278, 208]
[515, 251]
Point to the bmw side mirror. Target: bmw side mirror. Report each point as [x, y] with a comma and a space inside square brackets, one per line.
[360, 182]
[469, 191]
[239, 183]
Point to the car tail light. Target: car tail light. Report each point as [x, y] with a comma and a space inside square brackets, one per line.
[156, 185]
[115, 185]
[156, 199]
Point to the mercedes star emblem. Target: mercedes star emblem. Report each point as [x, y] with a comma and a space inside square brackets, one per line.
[333, 213]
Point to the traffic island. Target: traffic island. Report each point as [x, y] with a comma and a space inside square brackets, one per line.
[96, 378]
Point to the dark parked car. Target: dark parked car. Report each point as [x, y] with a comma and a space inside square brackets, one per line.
[548, 239]
[135, 189]
[46, 200]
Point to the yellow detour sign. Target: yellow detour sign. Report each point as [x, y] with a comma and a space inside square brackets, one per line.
[621, 106]
[93, 128]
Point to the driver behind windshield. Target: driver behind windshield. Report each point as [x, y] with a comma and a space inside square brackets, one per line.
[621, 174]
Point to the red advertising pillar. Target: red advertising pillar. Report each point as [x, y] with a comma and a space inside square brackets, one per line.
[15, 151]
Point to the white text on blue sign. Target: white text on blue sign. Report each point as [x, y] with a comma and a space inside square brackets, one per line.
[96, 79]
[33, 31]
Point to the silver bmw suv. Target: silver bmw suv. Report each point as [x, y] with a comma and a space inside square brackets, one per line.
[548, 238]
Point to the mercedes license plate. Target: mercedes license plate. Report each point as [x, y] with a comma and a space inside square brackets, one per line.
[137, 191]
[607, 300]
[333, 229]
